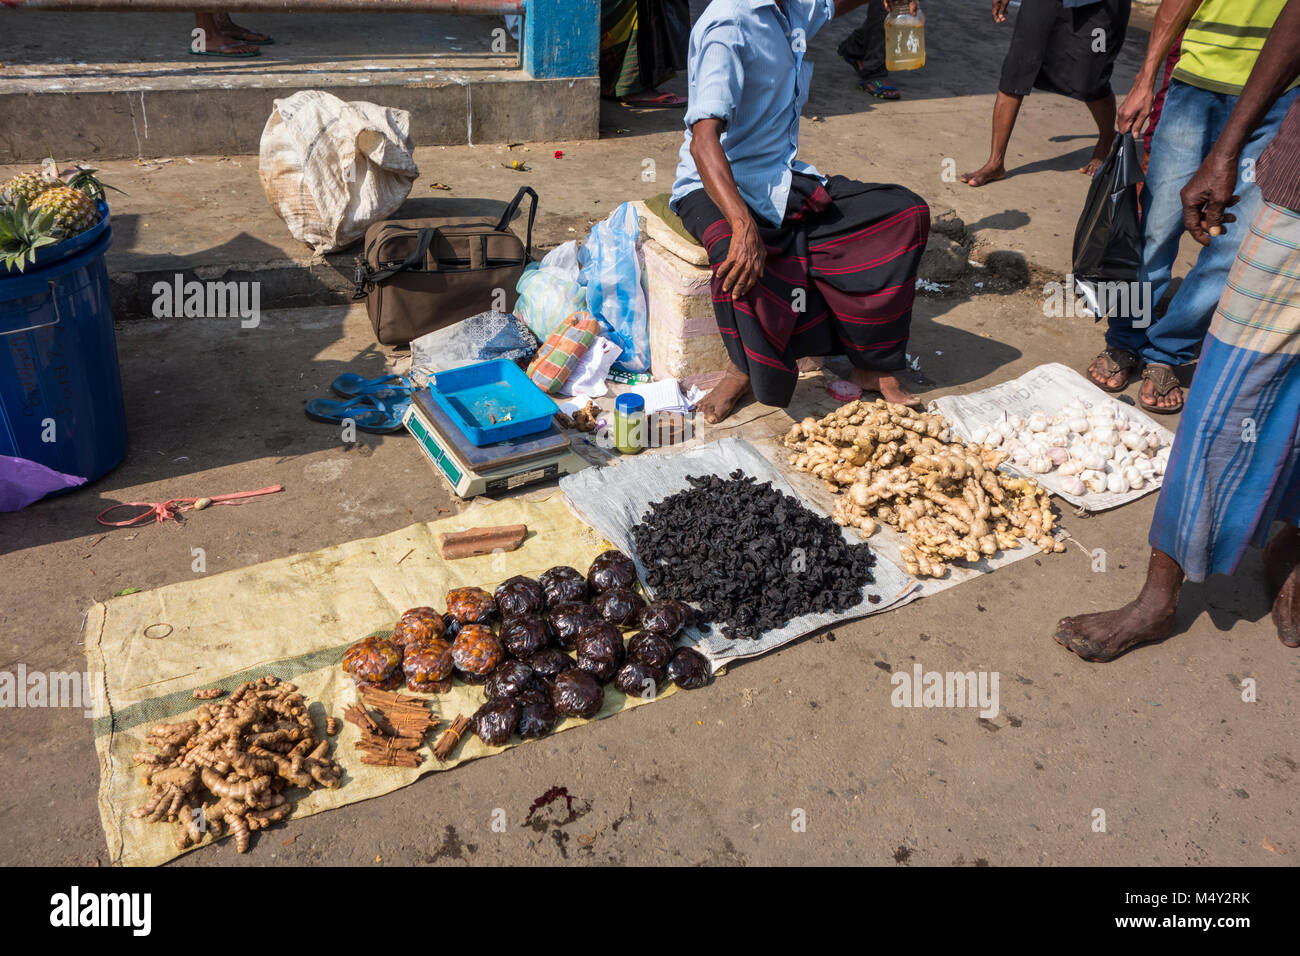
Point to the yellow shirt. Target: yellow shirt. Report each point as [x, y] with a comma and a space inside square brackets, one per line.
[1223, 41]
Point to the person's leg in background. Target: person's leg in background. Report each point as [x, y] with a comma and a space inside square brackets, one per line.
[864, 51]
[1175, 338]
[214, 40]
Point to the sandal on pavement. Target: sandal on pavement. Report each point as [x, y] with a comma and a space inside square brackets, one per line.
[370, 413]
[352, 385]
[235, 51]
[1114, 362]
[881, 91]
[1164, 380]
[655, 100]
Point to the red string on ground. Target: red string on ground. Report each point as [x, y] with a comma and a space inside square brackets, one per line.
[162, 511]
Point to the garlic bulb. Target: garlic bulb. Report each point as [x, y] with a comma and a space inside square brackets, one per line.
[1037, 422]
[979, 435]
[1153, 441]
[1093, 459]
[1134, 477]
[1039, 464]
[1095, 480]
[1017, 423]
[1071, 467]
[1116, 484]
[1005, 428]
[1078, 425]
[1104, 434]
[1073, 485]
[1057, 455]
[1034, 447]
[1132, 440]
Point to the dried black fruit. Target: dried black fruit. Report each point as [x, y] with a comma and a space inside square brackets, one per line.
[523, 636]
[602, 642]
[563, 585]
[496, 720]
[750, 557]
[453, 627]
[650, 649]
[569, 620]
[665, 618]
[639, 680]
[577, 694]
[689, 669]
[611, 569]
[602, 670]
[537, 711]
[618, 605]
[519, 596]
[510, 679]
[549, 662]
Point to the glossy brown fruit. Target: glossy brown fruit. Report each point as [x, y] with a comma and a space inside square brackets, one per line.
[496, 720]
[524, 636]
[639, 680]
[563, 585]
[569, 620]
[373, 661]
[689, 669]
[519, 596]
[428, 666]
[577, 694]
[418, 624]
[650, 649]
[611, 569]
[476, 651]
[471, 605]
[618, 605]
[549, 662]
[537, 715]
[510, 679]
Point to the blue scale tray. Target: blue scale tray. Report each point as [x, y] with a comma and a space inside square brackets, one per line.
[492, 401]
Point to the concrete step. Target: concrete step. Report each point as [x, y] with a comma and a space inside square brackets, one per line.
[112, 86]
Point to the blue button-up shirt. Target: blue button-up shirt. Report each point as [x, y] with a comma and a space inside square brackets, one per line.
[747, 68]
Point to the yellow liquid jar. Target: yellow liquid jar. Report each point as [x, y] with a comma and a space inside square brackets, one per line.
[904, 40]
[629, 424]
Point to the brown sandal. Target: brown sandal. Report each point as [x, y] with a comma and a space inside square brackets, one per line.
[1164, 380]
[1115, 362]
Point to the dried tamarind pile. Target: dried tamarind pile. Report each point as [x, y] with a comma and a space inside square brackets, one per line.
[228, 768]
[893, 464]
[751, 558]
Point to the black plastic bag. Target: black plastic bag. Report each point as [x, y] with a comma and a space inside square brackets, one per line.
[1108, 238]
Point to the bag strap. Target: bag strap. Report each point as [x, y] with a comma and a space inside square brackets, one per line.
[509, 214]
[364, 277]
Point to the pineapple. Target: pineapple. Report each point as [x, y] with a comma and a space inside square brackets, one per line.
[23, 230]
[73, 210]
[27, 186]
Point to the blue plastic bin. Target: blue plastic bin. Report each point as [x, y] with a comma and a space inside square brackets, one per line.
[492, 401]
[60, 383]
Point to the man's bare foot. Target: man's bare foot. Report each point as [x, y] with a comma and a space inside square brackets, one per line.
[813, 363]
[1091, 167]
[989, 172]
[1282, 569]
[889, 387]
[1105, 636]
[722, 398]
[233, 29]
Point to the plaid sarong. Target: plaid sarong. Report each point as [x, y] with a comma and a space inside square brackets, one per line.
[1235, 464]
[839, 279]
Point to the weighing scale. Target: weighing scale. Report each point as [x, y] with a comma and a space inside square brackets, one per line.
[491, 469]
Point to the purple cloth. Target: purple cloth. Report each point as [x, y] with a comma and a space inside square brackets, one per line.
[23, 481]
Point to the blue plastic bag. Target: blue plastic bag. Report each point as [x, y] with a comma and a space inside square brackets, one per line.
[612, 273]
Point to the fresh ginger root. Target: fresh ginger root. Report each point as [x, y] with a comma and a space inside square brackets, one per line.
[227, 769]
[894, 465]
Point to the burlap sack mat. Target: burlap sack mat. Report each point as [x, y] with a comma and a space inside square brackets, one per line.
[293, 618]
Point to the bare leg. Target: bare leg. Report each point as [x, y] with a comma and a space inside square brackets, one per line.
[889, 387]
[1103, 111]
[722, 398]
[1105, 636]
[1005, 110]
[1282, 566]
[233, 29]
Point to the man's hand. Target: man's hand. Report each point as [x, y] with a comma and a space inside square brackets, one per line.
[1207, 194]
[746, 257]
[1135, 109]
[1000, 11]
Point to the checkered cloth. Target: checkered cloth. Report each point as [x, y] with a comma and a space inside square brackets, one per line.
[559, 354]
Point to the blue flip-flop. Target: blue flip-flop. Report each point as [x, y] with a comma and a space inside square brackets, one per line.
[352, 385]
[376, 413]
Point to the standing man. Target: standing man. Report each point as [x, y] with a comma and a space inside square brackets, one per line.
[1061, 46]
[802, 265]
[1223, 39]
[1235, 466]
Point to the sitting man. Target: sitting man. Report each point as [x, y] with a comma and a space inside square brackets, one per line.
[802, 265]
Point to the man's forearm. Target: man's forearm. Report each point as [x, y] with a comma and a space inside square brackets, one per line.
[1278, 65]
[715, 173]
[1171, 20]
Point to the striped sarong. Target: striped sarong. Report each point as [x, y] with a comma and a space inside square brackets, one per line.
[839, 279]
[1235, 465]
